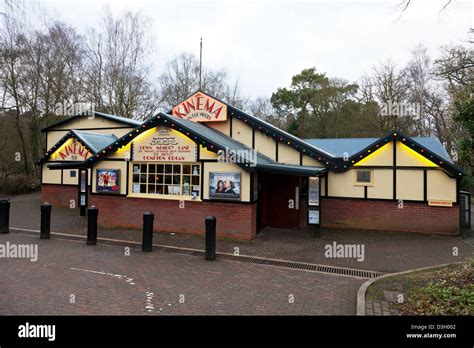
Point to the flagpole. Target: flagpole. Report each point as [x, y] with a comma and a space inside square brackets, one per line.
[200, 66]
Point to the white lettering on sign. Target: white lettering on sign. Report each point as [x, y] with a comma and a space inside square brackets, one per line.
[163, 144]
[201, 108]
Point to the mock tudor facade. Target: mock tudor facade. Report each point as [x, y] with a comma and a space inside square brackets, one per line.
[208, 158]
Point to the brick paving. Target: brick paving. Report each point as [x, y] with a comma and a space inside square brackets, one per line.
[384, 251]
[102, 279]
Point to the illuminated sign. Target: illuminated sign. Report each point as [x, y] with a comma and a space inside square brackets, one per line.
[163, 144]
[201, 108]
[72, 150]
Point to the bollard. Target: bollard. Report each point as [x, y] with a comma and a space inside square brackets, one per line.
[4, 216]
[92, 214]
[211, 238]
[45, 220]
[147, 241]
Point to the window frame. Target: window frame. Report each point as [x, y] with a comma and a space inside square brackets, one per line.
[357, 183]
[181, 185]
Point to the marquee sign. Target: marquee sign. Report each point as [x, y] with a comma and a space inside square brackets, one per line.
[72, 151]
[165, 145]
[201, 108]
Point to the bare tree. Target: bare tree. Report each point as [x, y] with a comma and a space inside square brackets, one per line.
[181, 78]
[118, 68]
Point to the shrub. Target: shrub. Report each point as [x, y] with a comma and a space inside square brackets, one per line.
[16, 184]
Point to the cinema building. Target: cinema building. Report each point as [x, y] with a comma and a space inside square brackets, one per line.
[208, 158]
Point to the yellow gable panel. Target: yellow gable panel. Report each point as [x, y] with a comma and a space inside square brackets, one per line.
[409, 157]
[164, 144]
[71, 150]
[380, 157]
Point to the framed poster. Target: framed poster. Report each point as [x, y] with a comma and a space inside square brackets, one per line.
[108, 180]
[224, 186]
[313, 217]
[313, 191]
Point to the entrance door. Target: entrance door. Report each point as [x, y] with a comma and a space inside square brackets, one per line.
[282, 201]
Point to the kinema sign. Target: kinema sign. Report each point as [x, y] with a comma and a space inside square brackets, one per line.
[201, 108]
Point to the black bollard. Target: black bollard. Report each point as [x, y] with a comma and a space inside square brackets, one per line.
[92, 214]
[147, 241]
[211, 238]
[45, 220]
[4, 216]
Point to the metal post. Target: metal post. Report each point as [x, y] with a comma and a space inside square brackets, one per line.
[4, 216]
[45, 220]
[92, 214]
[211, 238]
[147, 241]
[82, 211]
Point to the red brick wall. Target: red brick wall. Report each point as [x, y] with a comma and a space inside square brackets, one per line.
[233, 220]
[385, 215]
[58, 195]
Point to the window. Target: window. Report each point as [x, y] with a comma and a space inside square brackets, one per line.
[363, 177]
[167, 179]
[72, 174]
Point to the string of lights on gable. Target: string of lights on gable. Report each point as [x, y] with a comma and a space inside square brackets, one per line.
[412, 145]
[163, 120]
[66, 137]
[333, 163]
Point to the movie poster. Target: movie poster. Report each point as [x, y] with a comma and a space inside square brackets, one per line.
[224, 186]
[108, 180]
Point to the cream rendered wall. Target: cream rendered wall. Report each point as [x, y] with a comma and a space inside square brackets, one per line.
[342, 185]
[410, 184]
[381, 157]
[226, 167]
[223, 127]
[104, 164]
[288, 155]
[67, 180]
[50, 176]
[242, 132]
[310, 161]
[265, 145]
[323, 186]
[441, 186]
[382, 187]
[90, 123]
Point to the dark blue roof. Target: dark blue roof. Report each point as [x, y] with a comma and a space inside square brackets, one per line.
[340, 147]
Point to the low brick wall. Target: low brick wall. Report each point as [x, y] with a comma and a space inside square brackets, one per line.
[234, 220]
[385, 215]
[59, 195]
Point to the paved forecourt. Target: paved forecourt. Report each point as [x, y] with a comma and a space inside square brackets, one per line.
[70, 277]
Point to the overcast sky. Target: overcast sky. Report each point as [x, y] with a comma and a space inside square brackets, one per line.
[264, 43]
